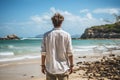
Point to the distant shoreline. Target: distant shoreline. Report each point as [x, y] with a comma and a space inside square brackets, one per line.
[96, 39]
[72, 39]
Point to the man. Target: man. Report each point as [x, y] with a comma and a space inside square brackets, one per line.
[56, 53]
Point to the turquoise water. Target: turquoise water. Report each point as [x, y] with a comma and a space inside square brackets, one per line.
[32, 46]
[20, 46]
[94, 42]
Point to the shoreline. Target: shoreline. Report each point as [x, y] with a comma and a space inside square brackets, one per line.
[96, 39]
[29, 69]
[72, 39]
[13, 58]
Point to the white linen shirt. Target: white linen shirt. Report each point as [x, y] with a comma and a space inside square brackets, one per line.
[56, 46]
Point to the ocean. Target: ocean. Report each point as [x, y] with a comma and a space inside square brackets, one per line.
[28, 48]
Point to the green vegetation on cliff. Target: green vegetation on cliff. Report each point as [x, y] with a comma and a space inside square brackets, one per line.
[108, 28]
[103, 31]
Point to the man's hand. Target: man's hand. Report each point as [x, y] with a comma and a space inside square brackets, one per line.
[71, 69]
[71, 64]
[43, 70]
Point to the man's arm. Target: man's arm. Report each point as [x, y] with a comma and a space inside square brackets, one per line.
[43, 56]
[71, 64]
[71, 60]
[70, 53]
[43, 63]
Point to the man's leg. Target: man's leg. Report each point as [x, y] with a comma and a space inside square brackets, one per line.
[50, 77]
[62, 77]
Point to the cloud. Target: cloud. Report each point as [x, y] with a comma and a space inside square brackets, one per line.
[84, 11]
[89, 16]
[53, 10]
[39, 24]
[16, 23]
[107, 10]
[40, 19]
[74, 24]
[36, 19]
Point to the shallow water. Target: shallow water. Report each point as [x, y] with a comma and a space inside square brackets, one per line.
[30, 47]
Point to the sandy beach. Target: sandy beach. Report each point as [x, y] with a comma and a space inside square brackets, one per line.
[29, 69]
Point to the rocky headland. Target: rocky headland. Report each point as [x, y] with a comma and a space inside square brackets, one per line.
[10, 37]
[108, 31]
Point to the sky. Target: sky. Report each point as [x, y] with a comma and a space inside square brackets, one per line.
[28, 18]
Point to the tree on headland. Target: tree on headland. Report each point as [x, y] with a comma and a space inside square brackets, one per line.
[117, 19]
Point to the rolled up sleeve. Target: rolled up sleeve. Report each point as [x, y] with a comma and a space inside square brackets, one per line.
[69, 46]
[43, 47]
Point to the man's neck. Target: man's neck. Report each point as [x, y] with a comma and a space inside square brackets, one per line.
[57, 28]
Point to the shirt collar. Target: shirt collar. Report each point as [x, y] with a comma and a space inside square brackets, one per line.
[57, 28]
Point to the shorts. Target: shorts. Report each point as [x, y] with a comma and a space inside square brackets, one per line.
[63, 76]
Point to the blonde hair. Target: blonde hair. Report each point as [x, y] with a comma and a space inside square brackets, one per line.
[57, 19]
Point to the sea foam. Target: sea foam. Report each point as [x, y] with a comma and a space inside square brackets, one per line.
[6, 53]
[19, 58]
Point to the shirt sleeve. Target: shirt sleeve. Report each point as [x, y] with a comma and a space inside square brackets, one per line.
[43, 47]
[69, 46]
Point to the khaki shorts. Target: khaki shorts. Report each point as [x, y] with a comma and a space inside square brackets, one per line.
[63, 76]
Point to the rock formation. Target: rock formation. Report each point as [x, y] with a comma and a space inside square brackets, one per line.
[107, 31]
[107, 68]
[10, 37]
